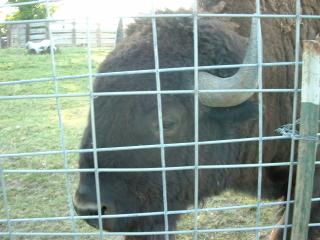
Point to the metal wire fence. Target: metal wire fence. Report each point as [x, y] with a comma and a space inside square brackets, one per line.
[8, 221]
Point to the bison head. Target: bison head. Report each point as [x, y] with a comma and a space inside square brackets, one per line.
[132, 119]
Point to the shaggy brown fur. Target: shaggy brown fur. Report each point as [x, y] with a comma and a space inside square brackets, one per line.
[279, 38]
[132, 120]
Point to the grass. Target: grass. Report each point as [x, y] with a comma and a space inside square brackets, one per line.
[31, 125]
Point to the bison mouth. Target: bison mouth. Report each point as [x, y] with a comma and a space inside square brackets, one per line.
[92, 221]
[121, 224]
[107, 224]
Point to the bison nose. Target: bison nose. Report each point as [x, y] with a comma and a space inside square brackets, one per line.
[85, 201]
[85, 204]
[86, 192]
[85, 198]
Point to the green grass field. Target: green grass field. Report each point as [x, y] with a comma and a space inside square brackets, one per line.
[31, 125]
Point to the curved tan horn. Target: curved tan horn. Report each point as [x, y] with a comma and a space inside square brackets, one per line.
[245, 78]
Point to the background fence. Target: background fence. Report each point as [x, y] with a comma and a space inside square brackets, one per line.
[64, 33]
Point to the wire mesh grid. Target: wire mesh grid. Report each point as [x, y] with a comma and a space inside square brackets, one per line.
[8, 221]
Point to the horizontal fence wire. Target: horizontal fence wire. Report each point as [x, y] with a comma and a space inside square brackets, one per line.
[167, 145]
[154, 169]
[110, 234]
[163, 92]
[169, 212]
[180, 232]
[168, 15]
[17, 4]
[162, 146]
[161, 70]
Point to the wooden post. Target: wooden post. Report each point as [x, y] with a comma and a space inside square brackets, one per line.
[308, 143]
[27, 32]
[47, 25]
[9, 34]
[98, 35]
[74, 37]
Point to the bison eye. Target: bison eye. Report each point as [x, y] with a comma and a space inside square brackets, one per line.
[168, 124]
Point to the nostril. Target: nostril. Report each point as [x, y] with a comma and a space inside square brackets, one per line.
[104, 210]
[108, 208]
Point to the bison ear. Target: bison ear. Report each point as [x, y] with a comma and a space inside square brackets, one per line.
[247, 111]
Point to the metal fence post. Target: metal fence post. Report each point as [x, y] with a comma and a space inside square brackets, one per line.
[308, 142]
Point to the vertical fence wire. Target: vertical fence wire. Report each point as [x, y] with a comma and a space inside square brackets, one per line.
[93, 130]
[294, 117]
[60, 124]
[196, 119]
[5, 201]
[260, 100]
[160, 121]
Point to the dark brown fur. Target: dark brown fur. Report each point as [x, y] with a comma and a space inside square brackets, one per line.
[279, 38]
[132, 120]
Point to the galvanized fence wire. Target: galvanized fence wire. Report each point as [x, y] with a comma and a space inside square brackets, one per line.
[260, 101]
[201, 210]
[294, 116]
[93, 132]
[167, 145]
[7, 221]
[233, 15]
[196, 118]
[161, 70]
[160, 122]
[61, 126]
[144, 214]
[180, 232]
[17, 4]
[163, 169]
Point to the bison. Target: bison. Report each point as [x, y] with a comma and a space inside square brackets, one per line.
[132, 120]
